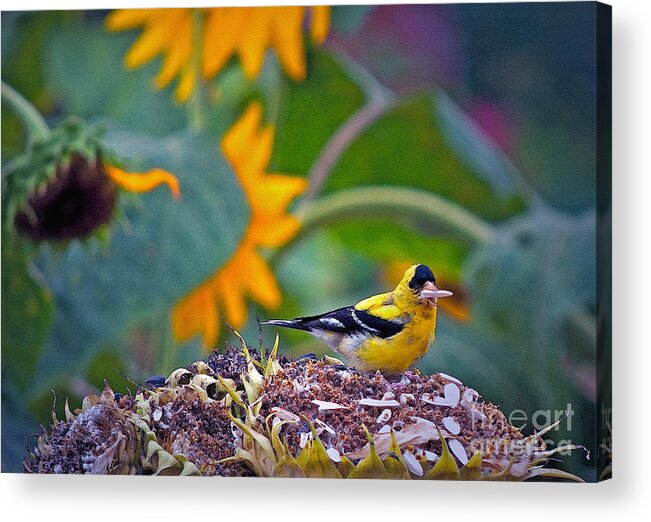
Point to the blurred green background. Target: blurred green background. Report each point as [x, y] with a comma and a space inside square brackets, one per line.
[490, 106]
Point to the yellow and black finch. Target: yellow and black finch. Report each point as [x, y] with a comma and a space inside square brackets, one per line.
[386, 332]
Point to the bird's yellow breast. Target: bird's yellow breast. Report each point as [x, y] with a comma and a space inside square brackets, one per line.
[398, 353]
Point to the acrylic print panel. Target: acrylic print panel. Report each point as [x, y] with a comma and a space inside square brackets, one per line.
[344, 242]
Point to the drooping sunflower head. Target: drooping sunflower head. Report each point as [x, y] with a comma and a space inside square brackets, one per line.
[78, 199]
[59, 189]
[66, 186]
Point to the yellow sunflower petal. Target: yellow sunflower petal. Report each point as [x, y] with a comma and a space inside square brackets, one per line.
[245, 31]
[125, 19]
[320, 23]
[275, 192]
[252, 48]
[179, 53]
[231, 294]
[236, 141]
[258, 153]
[221, 32]
[151, 43]
[262, 282]
[186, 84]
[247, 147]
[197, 313]
[288, 41]
[275, 233]
[143, 181]
[458, 308]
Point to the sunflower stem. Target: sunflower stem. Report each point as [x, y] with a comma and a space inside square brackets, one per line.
[32, 121]
[388, 202]
[379, 100]
[339, 142]
[196, 105]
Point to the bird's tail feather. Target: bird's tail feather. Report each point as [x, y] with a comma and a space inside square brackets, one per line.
[296, 324]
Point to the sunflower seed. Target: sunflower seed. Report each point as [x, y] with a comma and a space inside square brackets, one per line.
[384, 416]
[451, 425]
[333, 454]
[459, 452]
[431, 456]
[406, 397]
[450, 378]
[413, 465]
[451, 394]
[379, 403]
[305, 437]
[325, 426]
[325, 405]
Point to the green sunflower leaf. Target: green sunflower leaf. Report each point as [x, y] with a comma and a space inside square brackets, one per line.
[86, 50]
[318, 463]
[445, 467]
[158, 250]
[410, 144]
[394, 462]
[345, 466]
[288, 467]
[472, 470]
[371, 466]
[299, 139]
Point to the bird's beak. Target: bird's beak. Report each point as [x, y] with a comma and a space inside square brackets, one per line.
[431, 293]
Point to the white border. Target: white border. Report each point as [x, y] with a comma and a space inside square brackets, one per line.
[623, 498]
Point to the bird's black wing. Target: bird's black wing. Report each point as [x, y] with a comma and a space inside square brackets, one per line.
[351, 321]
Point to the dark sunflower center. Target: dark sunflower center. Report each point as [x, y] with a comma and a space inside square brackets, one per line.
[77, 201]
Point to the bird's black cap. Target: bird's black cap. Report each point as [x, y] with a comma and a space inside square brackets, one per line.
[421, 276]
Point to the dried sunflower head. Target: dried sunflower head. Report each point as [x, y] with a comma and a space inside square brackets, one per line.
[306, 418]
[189, 420]
[106, 436]
[415, 426]
[99, 439]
